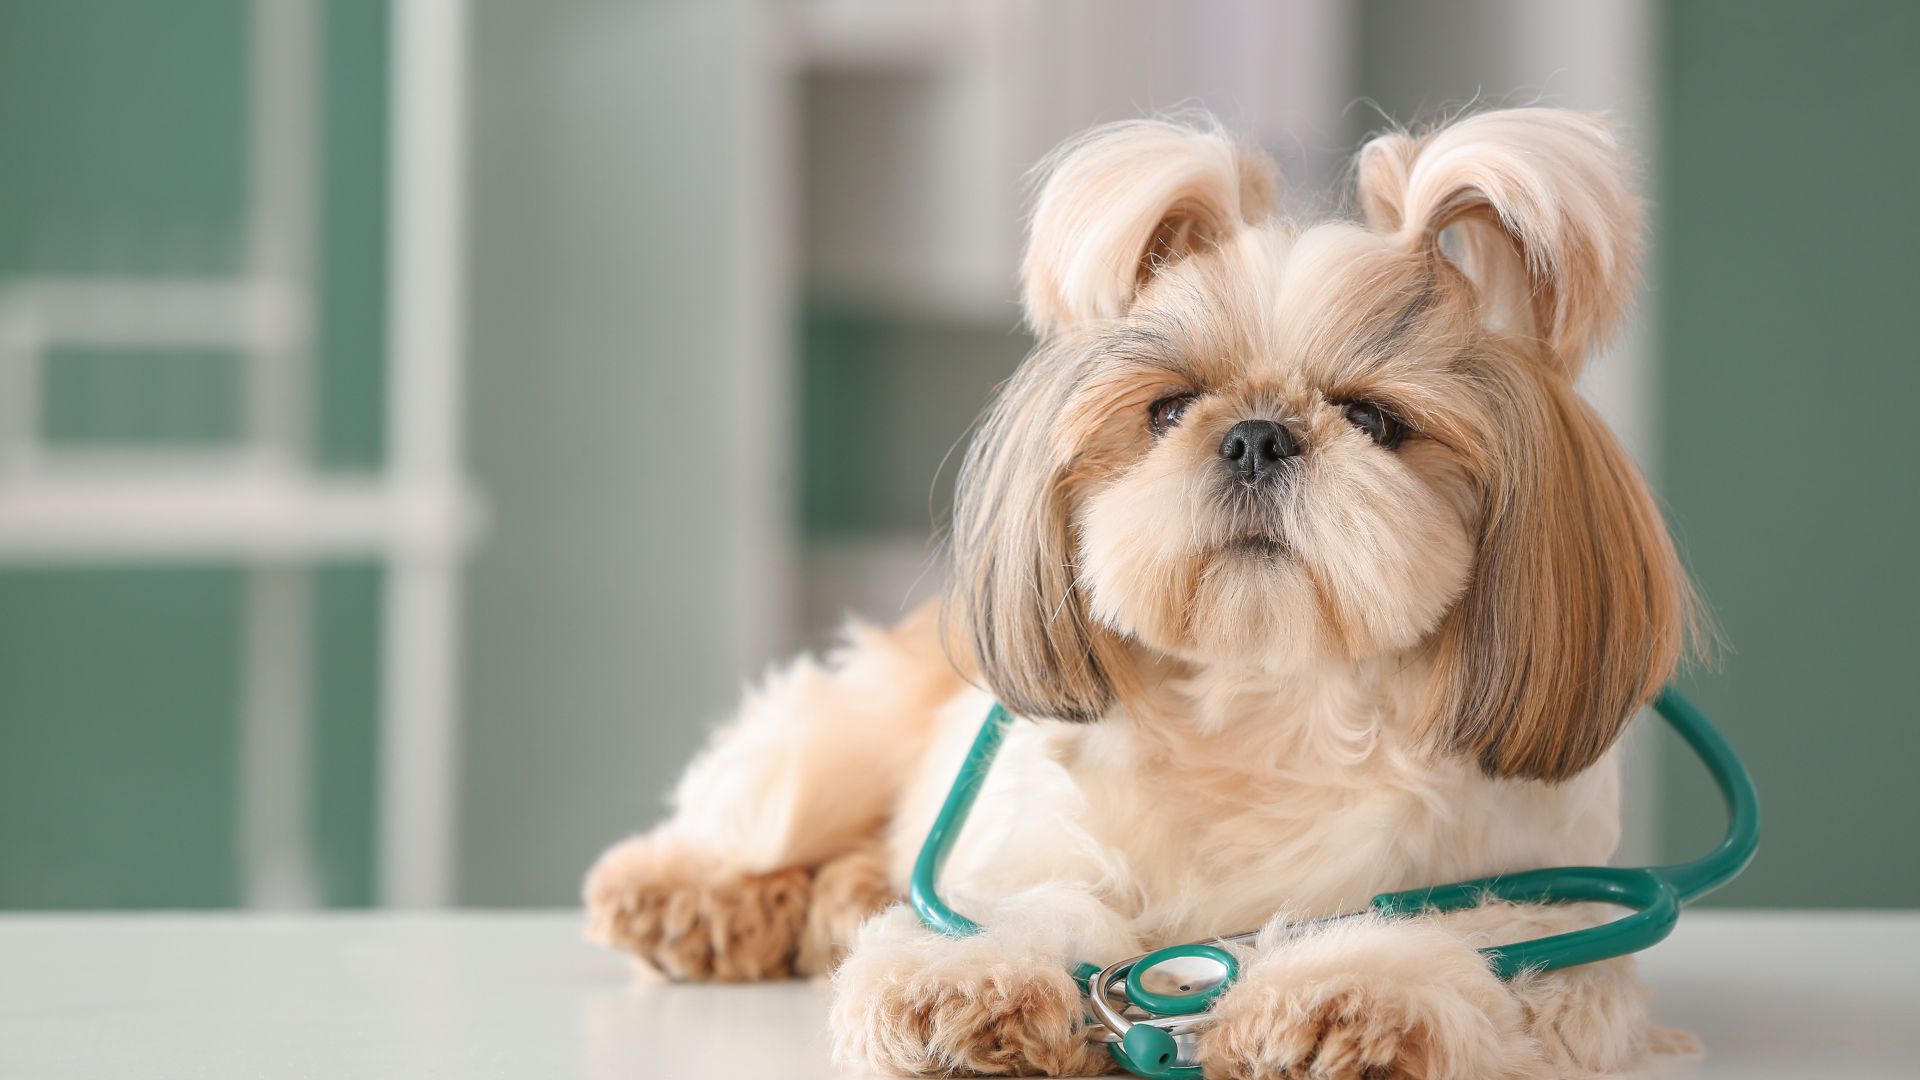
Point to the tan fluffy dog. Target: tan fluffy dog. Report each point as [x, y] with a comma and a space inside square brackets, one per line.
[1312, 577]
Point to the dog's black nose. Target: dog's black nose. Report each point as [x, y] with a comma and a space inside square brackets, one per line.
[1254, 449]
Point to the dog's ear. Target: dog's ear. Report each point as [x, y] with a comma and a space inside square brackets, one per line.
[1547, 225]
[1123, 202]
[1013, 600]
[1578, 608]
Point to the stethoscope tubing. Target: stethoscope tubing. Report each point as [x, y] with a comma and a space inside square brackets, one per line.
[1145, 1044]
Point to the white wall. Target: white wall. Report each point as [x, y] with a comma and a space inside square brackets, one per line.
[628, 418]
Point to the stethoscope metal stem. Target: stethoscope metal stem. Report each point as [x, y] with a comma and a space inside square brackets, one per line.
[1112, 1024]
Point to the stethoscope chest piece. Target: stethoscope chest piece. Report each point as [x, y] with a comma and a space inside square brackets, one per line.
[1180, 978]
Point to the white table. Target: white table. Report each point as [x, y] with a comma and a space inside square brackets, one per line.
[342, 997]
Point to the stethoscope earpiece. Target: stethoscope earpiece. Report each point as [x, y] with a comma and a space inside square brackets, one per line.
[1150, 1050]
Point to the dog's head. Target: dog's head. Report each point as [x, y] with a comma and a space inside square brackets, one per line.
[1248, 443]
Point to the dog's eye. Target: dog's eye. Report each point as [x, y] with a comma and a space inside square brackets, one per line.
[1164, 414]
[1380, 425]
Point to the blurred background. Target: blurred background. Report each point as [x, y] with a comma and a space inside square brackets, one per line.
[417, 417]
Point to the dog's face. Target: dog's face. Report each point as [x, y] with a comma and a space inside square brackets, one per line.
[1257, 446]
[1272, 466]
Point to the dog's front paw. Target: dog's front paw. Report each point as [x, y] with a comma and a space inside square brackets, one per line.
[1317, 1031]
[1368, 1001]
[909, 1002]
[680, 913]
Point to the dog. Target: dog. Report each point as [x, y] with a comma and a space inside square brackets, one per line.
[1309, 576]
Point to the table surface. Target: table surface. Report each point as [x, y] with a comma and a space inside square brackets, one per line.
[1773, 994]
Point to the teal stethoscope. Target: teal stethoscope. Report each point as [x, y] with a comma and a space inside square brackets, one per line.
[1148, 1008]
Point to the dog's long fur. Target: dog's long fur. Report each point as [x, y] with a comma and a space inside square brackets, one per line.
[1400, 664]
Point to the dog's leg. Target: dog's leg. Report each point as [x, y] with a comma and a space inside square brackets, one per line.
[1370, 998]
[687, 916]
[908, 1001]
[806, 774]
[845, 892]
[1413, 998]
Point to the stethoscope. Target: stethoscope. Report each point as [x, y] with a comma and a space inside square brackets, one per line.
[1148, 1009]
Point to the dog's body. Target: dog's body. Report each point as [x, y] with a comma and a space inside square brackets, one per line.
[1312, 579]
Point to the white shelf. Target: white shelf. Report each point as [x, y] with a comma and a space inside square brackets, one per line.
[109, 518]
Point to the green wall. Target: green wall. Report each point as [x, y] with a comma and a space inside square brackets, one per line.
[124, 127]
[1787, 243]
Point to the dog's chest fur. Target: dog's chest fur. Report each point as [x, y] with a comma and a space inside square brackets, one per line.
[1227, 800]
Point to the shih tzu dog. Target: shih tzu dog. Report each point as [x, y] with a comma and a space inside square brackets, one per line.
[1310, 576]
